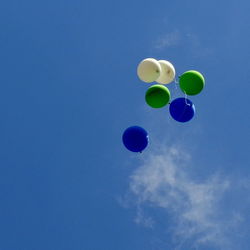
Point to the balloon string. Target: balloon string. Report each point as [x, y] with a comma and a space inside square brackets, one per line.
[186, 99]
[176, 83]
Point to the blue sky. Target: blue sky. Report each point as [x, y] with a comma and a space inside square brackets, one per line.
[68, 89]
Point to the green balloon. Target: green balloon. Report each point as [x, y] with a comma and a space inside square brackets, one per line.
[157, 96]
[192, 82]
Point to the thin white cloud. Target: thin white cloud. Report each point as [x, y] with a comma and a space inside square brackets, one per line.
[163, 181]
[179, 38]
[168, 40]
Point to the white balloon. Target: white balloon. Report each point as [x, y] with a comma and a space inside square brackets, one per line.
[167, 72]
[149, 70]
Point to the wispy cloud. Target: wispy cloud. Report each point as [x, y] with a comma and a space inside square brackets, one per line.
[168, 40]
[163, 181]
[192, 44]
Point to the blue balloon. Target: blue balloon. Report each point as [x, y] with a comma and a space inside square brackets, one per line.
[135, 139]
[182, 109]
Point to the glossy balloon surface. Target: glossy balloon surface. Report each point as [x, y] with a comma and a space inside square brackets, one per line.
[135, 138]
[157, 96]
[149, 70]
[182, 109]
[192, 82]
[167, 72]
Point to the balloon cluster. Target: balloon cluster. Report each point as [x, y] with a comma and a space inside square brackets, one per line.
[158, 95]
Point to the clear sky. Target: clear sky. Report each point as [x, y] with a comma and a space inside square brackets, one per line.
[68, 89]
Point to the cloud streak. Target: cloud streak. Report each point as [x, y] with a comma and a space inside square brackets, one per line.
[164, 181]
[190, 43]
[170, 39]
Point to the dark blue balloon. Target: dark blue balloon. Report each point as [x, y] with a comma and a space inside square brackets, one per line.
[182, 109]
[135, 139]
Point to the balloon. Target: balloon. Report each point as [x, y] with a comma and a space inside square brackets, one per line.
[182, 109]
[157, 96]
[192, 82]
[167, 72]
[149, 70]
[135, 139]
